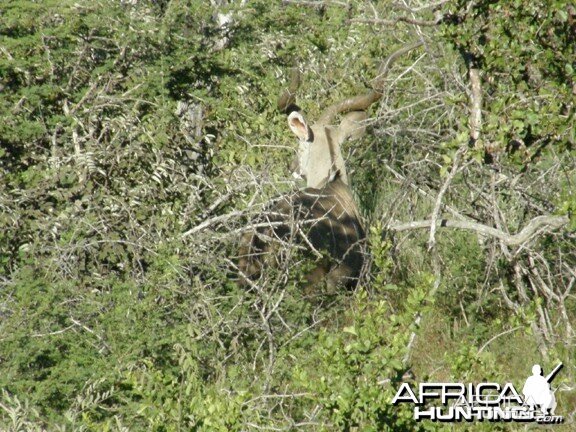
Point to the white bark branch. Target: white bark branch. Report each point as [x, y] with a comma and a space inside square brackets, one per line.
[536, 226]
[475, 121]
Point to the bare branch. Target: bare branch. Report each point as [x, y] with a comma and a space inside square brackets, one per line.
[92, 332]
[316, 4]
[36, 335]
[423, 192]
[407, 20]
[423, 7]
[443, 189]
[536, 226]
[504, 333]
[475, 121]
[212, 221]
[4, 51]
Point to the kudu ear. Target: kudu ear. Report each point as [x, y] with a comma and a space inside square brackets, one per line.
[299, 126]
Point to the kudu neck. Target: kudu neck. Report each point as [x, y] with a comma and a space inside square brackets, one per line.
[325, 160]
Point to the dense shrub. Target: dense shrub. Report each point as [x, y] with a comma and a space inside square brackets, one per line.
[138, 138]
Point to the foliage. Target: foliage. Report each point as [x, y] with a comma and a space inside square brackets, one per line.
[139, 137]
[530, 99]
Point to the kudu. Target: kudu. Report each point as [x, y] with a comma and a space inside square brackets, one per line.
[323, 217]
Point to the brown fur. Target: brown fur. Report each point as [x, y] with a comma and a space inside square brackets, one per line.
[329, 220]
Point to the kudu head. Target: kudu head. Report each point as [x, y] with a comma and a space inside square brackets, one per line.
[323, 217]
[319, 156]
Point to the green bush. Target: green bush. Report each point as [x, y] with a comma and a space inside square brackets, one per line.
[139, 137]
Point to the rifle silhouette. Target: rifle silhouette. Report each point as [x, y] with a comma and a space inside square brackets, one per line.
[552, 374]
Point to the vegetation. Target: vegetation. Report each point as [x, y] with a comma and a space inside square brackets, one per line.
[139, 137]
